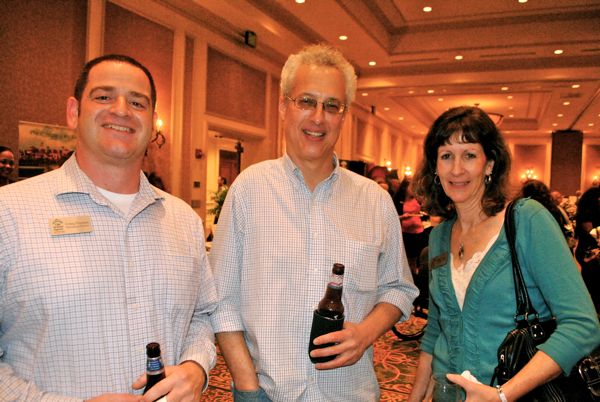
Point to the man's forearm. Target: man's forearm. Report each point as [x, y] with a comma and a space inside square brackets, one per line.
[238, 360]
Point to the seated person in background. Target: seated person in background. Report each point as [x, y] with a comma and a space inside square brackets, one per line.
[537, 190]
[413, 232]
[7, 165]
[588, 249]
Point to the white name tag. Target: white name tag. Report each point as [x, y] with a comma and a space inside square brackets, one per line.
[70, 225]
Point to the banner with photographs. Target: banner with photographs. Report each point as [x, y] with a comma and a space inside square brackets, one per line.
[43, 147]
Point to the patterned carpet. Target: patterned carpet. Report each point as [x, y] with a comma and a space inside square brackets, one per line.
[395, 365]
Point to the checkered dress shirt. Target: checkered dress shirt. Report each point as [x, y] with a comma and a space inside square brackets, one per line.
[77, 310]
[272, 256]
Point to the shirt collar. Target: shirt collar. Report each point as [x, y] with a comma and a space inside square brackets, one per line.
[74, 180]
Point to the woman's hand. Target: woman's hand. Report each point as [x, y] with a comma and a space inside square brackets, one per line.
[475, 392]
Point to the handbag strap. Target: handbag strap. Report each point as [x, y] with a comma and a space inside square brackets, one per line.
[524, 306]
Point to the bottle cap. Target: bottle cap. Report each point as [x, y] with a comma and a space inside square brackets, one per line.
[153, 349]
[338, 268]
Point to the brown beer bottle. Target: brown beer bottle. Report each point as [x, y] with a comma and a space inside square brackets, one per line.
[155, 370]
[329, 315]
[331, 305]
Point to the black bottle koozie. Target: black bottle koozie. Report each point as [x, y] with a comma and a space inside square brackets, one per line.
[320, 326]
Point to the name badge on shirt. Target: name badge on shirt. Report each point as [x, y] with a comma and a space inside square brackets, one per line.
[66, 225]
[439, 261]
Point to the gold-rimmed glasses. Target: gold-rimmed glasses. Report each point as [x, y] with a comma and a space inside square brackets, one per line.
[306, 102]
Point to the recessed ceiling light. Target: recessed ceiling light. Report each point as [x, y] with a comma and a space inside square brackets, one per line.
[365, 94]
[511, 107]
[400, 118]
[504, 89]
[342, 37]
[427, 9]
[411, 92]
[591, 124]
[300, 1]
[511, 115]
[575, 86]
[509, 97]
[430, 91]
[559, 115]
[558, 51]
[554, 124]
[372, 63]
[458, 57]
[440, 99]
[386, 108]
[566, 103]
[522, 1]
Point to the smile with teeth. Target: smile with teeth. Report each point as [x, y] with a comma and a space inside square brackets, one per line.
[118, 128]
[314, 133]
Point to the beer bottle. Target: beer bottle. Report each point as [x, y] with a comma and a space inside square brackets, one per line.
[155, 370]
[329, 314]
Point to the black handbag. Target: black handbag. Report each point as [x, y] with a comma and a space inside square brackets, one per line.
[520, 344]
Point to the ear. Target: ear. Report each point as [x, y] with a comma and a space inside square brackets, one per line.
[283, 105]
[490, 167]
[72, 112]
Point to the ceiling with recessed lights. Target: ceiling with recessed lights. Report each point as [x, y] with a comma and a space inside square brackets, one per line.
[536, 62]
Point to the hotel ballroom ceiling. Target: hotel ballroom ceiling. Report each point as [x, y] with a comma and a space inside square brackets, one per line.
[507, 48]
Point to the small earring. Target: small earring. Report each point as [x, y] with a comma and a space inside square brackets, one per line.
[436, 179]
[488, 179]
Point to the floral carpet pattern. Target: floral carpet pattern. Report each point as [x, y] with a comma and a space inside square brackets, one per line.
[395, 365]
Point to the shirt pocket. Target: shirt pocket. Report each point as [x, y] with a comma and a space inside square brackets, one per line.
[361, 279]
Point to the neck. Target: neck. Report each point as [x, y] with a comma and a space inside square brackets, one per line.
[121, 179]
[314, 172]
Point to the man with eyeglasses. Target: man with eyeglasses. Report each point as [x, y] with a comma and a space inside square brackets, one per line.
[7, 165]
[284, 223]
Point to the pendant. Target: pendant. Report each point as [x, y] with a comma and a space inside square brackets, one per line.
[461, 251]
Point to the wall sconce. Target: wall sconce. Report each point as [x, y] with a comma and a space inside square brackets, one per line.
[528, 175]
[408, 171]
[159, 138]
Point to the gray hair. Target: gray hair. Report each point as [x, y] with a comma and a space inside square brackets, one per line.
[320, 55]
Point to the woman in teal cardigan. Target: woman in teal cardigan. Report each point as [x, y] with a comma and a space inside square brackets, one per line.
[472, 304]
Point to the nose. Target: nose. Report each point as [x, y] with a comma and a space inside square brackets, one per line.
[457, 166]
[318, 113]
[120, 106]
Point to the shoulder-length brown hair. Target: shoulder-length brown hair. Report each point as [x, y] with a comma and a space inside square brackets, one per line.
[472, 125]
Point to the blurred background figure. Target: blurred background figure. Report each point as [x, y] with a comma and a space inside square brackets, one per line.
[413, 231]
[378, 174]
[588, 247]
[537, 190]
[222, 182]
[7, 165]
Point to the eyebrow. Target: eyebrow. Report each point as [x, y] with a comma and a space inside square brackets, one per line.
[111, 89]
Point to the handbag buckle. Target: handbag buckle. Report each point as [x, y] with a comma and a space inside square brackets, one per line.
[589, 370]
[537, 332]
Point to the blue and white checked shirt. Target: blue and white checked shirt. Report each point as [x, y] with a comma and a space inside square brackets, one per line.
[272, 256]
[77, 310]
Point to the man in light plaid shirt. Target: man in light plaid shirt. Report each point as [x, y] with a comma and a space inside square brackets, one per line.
[95, 262]
[284, 223]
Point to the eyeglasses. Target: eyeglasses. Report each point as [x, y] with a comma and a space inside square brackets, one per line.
[331, 106]
[7, 162]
